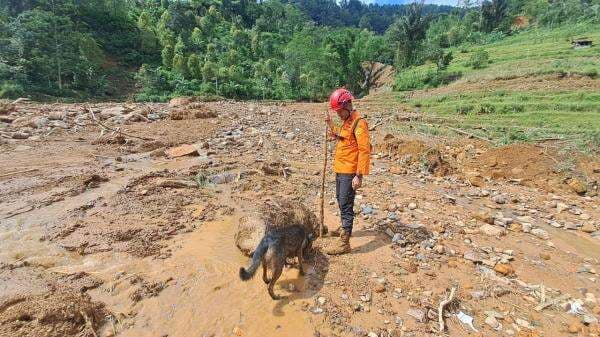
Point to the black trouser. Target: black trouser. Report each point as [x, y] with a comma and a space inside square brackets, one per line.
[345, 197]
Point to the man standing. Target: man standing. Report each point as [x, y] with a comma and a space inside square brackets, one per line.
[351, 163]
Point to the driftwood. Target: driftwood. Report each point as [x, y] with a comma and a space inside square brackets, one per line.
[441, 309]
[322, 201]
[462, 132]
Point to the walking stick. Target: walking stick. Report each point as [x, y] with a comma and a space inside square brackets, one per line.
[322, 224]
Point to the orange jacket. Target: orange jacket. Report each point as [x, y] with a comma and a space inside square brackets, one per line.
[353, 151]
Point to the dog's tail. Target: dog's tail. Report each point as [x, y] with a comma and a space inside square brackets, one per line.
[261, 250]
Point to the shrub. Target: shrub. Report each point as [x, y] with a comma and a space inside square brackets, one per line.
[512, 108]
[485, 108]
[464, 109]
[478, 60]
[11, 90]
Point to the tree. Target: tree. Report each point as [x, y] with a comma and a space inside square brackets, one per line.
[408, 33]
[50, 50]
[194, 66]
[492, 14]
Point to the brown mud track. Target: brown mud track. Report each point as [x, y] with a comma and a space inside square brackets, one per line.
[102, 234]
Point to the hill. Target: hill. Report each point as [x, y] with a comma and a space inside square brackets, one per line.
[530, 86]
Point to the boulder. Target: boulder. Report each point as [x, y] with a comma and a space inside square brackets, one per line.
[273, 214]
[180, 101]
[113, 112]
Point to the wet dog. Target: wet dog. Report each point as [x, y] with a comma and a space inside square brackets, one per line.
[272, 251]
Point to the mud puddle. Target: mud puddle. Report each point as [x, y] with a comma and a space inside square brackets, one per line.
[194, 292]
[204, 296]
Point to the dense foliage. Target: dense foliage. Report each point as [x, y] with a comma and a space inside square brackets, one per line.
[274, 49]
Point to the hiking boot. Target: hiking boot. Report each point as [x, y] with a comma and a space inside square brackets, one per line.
[342, 247]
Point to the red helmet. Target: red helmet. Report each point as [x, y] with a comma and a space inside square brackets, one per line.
[339, 98]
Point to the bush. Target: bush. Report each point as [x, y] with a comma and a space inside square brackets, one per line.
[11, 90]
[478, 60]
[485, 108]
[512, 108]
[464, 109]
[413, 79]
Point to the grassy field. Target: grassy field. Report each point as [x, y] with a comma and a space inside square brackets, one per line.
[535, 87]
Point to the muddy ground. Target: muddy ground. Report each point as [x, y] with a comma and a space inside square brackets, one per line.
[102, 234]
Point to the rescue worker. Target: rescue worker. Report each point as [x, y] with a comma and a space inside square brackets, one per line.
[351, 163]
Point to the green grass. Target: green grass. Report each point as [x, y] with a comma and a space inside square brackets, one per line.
[505, 114]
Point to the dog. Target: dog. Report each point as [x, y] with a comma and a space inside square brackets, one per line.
[276, 245]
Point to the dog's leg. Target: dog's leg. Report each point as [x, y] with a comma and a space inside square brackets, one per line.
[301, 260]
[264, 264]
[277, 269]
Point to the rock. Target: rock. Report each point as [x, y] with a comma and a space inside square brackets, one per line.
[39, 122]
[417, 314]
[526, 227]
[515, 227]
[556, 224]
[366, 210]
[575, 327]
[321, 300]
[484, 216]
[176, 183]
[7, 119]
[494, 314]
[577, 186]
[372, 334]
[475, 179]
[472, 256]
[560, 206]
[379, 288]
[317, 310]
[571, 226]
[412, 267]
[20, 135]
[499, 199]
[412, 206]
[397, 170]
[493, 323]
[397, 238]
[588, 228]
[540, 233]
[179, 102]
[544, 256]
[523, 323]
[222, 178]
[505, 269]
[490, 230]
[57, 115]
[590, 299]
[114, 112]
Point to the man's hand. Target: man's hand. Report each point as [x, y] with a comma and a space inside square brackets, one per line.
[356, 182]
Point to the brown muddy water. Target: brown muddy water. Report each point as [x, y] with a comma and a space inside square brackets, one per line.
[202, 294]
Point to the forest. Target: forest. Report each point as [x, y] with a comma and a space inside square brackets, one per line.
[153, 50]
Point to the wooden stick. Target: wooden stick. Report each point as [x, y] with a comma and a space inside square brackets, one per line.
[462, 132]
[89, 323]
[17, 172]
[322, 223]
[441, 309]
